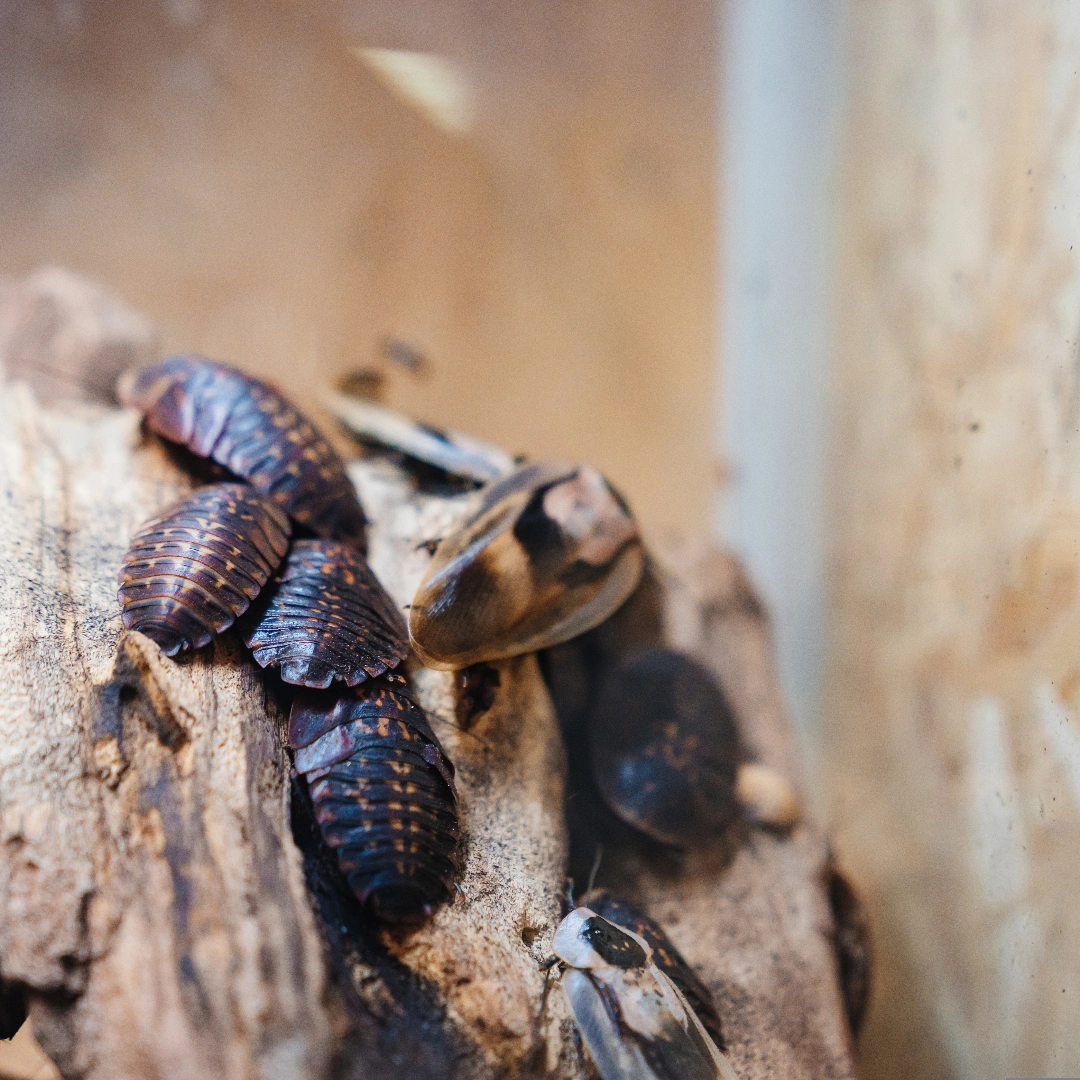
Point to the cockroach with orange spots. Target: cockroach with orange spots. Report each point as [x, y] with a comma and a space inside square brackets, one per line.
[381, 785]
[220, 413]
[192, 569]
[326, 617]
[383, 794]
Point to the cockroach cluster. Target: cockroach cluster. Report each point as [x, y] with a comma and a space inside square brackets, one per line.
[548, 553]
[381, 785]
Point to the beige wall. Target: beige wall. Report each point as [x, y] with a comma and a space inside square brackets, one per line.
[233, 170]
[954, 699]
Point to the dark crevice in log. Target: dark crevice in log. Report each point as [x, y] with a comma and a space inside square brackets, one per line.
[13, 1007]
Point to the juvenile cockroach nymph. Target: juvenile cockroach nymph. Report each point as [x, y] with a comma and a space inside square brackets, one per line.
[383, 794]
[326, 617]
[551, 551]
[450, 451]
[633, 1020]
[192, 569]
[667, 757]
[220, 413]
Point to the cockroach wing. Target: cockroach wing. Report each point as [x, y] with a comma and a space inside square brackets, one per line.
[551, 551]
[664, 955]
[449, 451]
[218, 412]
[610, 1010]
[615, 1058]
[703, 1045]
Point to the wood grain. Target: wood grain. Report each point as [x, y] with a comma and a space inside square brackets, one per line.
[953, 696]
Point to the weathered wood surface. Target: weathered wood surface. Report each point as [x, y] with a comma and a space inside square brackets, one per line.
[953, 727]
[172, 916]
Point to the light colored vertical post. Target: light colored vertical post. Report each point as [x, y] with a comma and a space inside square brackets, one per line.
[954, 692]
[781, 101]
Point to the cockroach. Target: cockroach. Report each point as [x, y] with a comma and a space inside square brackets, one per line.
[218, 412]
[192, 569]
[632, 1018]
[380, 783]
[551, 551]
[326, 617]
[667, 757]
[450, 452]
[383, 794]
[667, 958]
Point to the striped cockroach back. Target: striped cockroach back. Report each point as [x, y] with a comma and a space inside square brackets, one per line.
[220, 413]
[193, 568]
[383, 794]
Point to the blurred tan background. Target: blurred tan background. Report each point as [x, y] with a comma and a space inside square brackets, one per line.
[237, 172]
[881, 412]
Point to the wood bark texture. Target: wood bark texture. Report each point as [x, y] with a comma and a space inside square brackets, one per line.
[165, 902]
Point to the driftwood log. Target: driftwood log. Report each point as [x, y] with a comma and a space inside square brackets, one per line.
[163, 903]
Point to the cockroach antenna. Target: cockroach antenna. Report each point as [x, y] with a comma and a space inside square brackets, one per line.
[460, 730]
[592, 873]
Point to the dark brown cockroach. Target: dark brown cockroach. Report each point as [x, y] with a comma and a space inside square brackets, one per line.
[666, 957]
[667, 757]
[195, 567]
[665, 748]
[383, 794]
[220, 413]
[326, 617]
[551, 551]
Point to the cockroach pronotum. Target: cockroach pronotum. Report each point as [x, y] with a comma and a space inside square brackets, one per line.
[551, 551]
[325, 618]
[192, 569]
[383, 793]
[220, 413]
[632, 1018]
